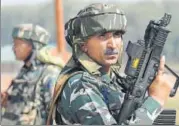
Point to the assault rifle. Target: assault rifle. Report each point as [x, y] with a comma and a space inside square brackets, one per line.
[142, 66]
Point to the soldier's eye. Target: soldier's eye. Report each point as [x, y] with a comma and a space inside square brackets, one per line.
[117, 34]
[102, 36]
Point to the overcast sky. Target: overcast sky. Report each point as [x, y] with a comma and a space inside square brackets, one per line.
[18, 2]
[31, 2]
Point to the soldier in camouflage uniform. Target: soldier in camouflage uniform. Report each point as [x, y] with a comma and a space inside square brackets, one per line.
[91, 95]
[31, 91]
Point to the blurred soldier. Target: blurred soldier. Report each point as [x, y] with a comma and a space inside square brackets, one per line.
[31, 91]
[90, 95]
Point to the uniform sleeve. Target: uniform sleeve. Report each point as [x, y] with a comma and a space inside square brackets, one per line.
[147, 113]
[82, 103]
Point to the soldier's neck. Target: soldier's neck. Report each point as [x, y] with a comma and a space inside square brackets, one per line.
[30, 58]
[105, 69]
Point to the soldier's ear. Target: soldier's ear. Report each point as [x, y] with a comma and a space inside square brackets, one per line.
[84, 47]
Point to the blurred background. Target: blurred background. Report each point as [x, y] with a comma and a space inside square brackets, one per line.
[42, 12]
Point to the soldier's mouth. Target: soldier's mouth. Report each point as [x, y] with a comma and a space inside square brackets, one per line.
[111, 56]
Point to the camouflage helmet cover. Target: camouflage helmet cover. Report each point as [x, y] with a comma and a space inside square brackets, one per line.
[93, 19]
[31, 32]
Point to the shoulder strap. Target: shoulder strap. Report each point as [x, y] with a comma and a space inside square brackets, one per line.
[58, 88]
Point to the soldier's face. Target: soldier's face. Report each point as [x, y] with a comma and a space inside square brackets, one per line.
[104, 48]
[22, 49]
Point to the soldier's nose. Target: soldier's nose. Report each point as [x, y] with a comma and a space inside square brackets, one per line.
[111, 42]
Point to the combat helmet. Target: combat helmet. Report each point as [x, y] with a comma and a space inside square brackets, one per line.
[33, 33]
[94, 19]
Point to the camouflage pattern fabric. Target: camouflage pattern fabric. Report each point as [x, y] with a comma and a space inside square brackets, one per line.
[95, 19]
[31, 92]
[94, 98]
[31, 32]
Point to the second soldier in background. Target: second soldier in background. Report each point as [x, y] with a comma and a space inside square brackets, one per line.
[30, 92]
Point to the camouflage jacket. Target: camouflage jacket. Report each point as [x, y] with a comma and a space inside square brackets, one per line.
[31, 91]
[94, 98]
